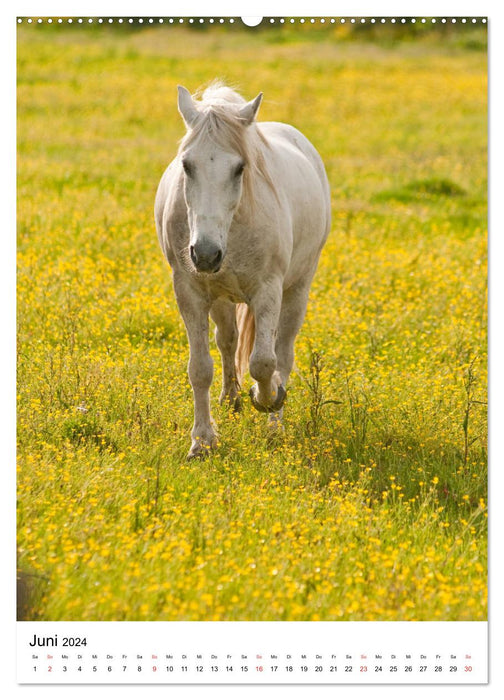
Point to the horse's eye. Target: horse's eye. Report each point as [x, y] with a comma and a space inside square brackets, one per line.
[239, 170]
[188, 168]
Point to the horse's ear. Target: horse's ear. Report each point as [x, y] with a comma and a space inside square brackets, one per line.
[186, 107]
[248, 112]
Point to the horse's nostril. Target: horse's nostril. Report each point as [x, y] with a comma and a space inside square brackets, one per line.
[206, 257]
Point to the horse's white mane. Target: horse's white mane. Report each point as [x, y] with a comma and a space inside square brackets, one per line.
[219, 106]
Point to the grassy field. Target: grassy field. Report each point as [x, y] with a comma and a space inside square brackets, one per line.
[372, 506]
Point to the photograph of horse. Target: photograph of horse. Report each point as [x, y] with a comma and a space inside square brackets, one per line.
[242, 215]
[251, 319]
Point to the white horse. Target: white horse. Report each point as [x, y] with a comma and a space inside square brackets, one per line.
[241, 213]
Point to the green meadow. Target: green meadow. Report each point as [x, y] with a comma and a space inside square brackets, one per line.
[371, 505]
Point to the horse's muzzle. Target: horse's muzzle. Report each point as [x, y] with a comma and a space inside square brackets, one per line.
[206, 256]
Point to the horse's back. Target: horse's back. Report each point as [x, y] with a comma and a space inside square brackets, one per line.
[302, 179]
[286, 136]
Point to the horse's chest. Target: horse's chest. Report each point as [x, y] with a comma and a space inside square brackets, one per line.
[226, 285]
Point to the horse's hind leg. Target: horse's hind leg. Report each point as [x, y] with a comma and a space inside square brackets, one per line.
[226, 336]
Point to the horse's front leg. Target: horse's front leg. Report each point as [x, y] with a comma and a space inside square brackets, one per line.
[268, 393]
[194, 309]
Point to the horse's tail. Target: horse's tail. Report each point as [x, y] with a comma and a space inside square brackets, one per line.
[246, 337]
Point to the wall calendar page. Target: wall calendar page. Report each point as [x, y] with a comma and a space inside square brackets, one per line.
[252, 350]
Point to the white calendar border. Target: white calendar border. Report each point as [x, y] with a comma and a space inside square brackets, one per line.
[294, 8]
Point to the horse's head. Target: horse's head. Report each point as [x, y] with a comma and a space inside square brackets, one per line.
[213, 157]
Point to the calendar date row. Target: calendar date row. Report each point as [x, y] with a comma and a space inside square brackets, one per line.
[242, 669]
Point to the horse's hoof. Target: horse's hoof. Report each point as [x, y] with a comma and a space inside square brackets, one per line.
[193, 454]
[281, 394]
[199, 450]
[274, 408]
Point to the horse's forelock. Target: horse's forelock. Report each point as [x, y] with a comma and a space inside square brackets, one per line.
[221, 124]
[218, 93]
